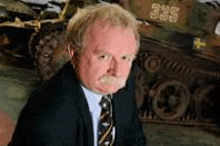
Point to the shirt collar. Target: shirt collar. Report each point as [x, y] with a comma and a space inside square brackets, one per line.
[90, 95]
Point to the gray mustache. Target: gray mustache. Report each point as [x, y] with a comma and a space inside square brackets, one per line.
[109, 80]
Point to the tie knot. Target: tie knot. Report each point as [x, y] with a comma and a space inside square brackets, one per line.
[105, 102]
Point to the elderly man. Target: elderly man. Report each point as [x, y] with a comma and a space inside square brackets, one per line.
[90, 101]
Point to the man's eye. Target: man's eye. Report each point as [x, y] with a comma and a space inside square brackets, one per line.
[102, 57]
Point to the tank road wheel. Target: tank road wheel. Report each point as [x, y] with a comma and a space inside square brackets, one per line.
[41, 34]
[170, 100]
[51, 54]
[203, 101]
[152, 63]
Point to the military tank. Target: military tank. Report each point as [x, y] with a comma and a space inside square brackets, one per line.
[18, 21]
[23, 24]
[178, 62]
[13, 33]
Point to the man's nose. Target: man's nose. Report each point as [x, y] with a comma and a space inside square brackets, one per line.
[114, 68]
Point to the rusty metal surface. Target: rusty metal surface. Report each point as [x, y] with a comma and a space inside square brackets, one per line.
[184, 88]
[185, 16]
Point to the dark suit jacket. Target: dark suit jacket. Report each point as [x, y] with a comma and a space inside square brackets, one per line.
[57, 114]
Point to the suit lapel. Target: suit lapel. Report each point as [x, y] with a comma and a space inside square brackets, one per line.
[76, 92]
[86, 116]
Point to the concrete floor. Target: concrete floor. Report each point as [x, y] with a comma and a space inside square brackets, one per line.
[177, 135]
[17, 83]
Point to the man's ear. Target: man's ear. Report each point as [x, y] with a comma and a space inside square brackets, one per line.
[71, 51]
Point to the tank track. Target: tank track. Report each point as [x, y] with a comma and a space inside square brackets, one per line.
[197, 97]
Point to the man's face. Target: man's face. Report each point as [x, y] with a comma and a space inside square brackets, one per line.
[106, 60]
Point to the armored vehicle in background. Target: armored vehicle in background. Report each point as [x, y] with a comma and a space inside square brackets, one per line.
[23, 24]
[19, 20]
[179, 61]
[14, 34]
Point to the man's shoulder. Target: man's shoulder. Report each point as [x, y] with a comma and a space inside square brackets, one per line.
[62, 82]
[61, 89]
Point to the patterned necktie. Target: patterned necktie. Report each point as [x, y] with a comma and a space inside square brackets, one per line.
[105, 125]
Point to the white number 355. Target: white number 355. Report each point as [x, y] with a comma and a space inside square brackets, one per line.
[164, 13]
